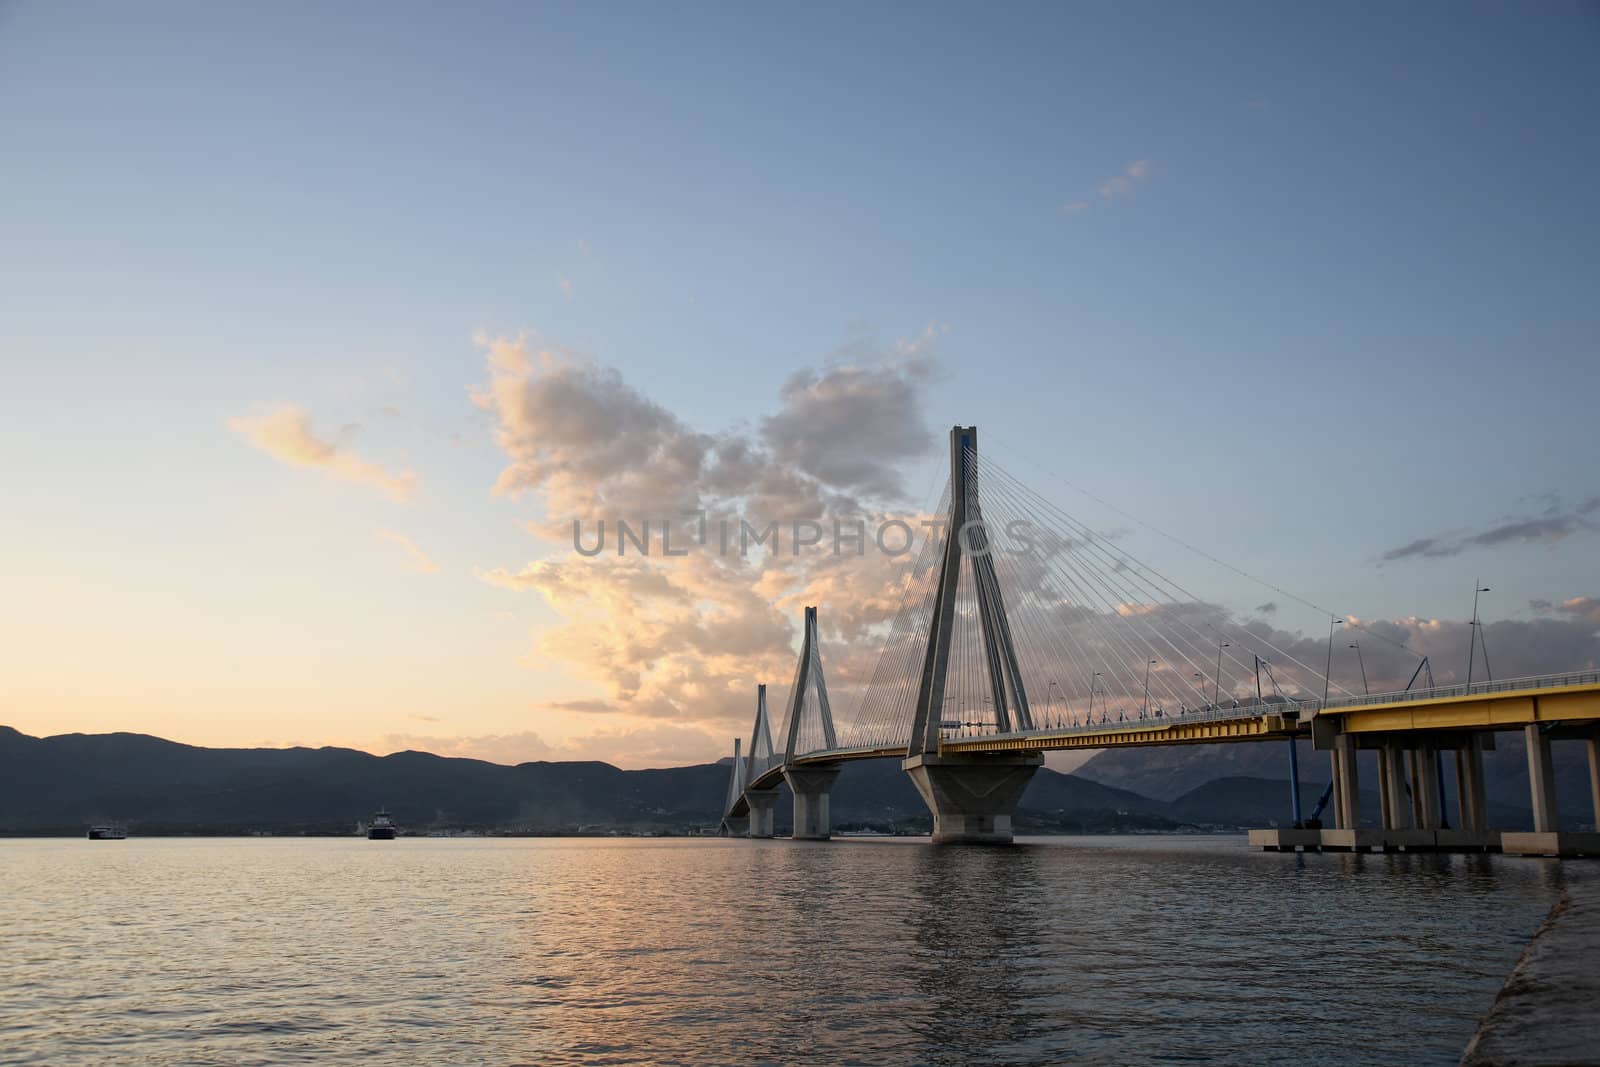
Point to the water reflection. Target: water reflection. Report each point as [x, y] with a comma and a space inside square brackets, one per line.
[975, 917]
[1093, 950]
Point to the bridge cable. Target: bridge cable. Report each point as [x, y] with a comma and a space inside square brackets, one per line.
[1198, 551]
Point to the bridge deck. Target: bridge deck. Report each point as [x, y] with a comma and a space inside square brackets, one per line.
[1488, 706]
[1504, 705]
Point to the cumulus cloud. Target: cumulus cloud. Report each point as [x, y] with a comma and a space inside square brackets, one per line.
[686, 638]
[416, 559]
[1582, 609]
[852, 427]
[1554, 523]
[577, 433]
[1391, 650]
[1517, 648]
[591, 445]
[286, 435]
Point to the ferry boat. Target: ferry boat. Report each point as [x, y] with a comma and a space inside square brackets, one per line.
[382, 827]
[107, 833]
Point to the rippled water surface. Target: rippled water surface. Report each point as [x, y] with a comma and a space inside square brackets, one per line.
[1091, 950]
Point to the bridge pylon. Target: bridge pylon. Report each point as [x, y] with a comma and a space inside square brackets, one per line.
[971, 796]
[763, 756]
[735, 825]
[811, 783]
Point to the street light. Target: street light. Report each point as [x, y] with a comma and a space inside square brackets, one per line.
[1472, 644]
[1216, 686]
[1146, 709]
[1364, 689]
[1092, 683]
[1332, 622]
[1200, 687]
[1049, 704]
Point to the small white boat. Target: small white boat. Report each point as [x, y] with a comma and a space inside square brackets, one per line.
[107, 832]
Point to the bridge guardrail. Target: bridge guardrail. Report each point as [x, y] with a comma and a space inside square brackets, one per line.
[1286, 707]
[1439, 692]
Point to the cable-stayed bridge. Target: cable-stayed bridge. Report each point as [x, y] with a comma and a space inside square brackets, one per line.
[1022, 630]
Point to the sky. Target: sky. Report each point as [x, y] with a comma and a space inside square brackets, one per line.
[319, 324]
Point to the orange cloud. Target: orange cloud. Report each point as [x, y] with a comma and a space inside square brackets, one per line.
[686, 638]
[416, 558]
[286, 435]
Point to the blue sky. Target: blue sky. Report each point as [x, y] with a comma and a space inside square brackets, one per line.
[1301, 284]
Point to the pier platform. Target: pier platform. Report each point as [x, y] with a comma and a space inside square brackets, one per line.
[1565, 845]
[1375, 840]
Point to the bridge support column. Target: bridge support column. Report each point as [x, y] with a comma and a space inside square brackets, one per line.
[761, 801]
[1541, 779]
[1473, 799]
[972, 797]
[1425, 788]
[735, 826]
[1593, 744]
[1346, 784]
[1392, 787]
[811, 785]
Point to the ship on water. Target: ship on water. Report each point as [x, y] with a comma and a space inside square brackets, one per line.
[382, 827]
[107, 832]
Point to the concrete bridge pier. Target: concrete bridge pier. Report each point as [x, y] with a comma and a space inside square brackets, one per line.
[1392, 787]
[1425, 788]
[735, 826]
[1346, 784]
[761, 801]
[1547, 838]
[972, 797]
[1472, 799]
[1593, 744]
[1541, 779]
[811, 785]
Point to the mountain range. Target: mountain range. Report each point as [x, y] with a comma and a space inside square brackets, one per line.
[61, 784]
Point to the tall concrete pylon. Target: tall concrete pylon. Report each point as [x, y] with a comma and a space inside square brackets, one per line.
[735, 825]
[811, 783]
[966, 535]
[971, 796]
[761, 758]
[762, 752]
[809, 675]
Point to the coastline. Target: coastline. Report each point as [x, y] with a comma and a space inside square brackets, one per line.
[1548, 1011]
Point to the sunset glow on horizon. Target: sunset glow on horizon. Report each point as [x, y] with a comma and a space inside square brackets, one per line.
[297, 420]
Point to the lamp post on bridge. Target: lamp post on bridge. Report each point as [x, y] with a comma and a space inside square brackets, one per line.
[1472, 644]
[1357, 646]
[1092, 683]
[1327, 672]
[1049, 701]
[1145, 710]
[1202, 686]
[1216, 685]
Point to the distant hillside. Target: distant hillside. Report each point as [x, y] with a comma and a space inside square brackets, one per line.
[1242, 801]
[62, 784]
[65, 782]
[1168, 773]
